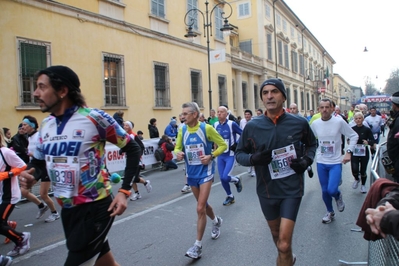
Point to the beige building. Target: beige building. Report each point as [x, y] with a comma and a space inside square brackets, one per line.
[342, 94]
[133, 56]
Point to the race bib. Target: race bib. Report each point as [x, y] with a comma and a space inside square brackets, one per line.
[360, 150]
[327, 148]
[193, 152]
[64, 174]
[279, 167]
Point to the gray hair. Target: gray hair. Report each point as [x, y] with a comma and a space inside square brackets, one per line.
[193, 106]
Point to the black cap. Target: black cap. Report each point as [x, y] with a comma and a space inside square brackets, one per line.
[276, 82]
[65, 74]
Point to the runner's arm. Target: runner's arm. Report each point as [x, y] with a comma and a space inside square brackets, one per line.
[215, 137]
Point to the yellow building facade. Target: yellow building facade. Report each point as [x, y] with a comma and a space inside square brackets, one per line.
[133, 56]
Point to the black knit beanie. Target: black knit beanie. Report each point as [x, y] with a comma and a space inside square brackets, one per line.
[276, 82]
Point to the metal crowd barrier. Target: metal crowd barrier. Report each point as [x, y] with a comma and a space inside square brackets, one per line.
[383, 252]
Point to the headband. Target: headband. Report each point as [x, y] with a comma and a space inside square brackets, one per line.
[129, 124]
[26, 121]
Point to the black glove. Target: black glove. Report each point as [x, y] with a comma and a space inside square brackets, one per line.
[233, 147]
[262, 156]
[300, 165]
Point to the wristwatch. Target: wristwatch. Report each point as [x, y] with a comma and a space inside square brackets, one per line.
[349, 151]
[213, 157]
[10, 174]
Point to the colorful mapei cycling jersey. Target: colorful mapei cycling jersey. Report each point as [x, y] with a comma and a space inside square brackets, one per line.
[74, 149]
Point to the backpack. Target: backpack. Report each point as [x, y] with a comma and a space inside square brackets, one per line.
[159, 154]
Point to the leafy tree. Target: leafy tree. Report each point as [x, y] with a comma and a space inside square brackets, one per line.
[392, 85]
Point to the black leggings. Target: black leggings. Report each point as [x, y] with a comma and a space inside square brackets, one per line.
[363, 162]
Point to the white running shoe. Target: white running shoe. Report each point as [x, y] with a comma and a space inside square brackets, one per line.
[249, 170]
[148, 186]
[22, 247]
[340, 203]
[5, 260]
[41, 211]
[363, 189]
[328, 218]
[195, 252]
[135, 196]
[355, 184]
[186, 189]
[52, 217]
[253, 173]
[216, 228]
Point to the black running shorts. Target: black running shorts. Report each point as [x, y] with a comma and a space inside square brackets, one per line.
[274, 208]
[86, 227]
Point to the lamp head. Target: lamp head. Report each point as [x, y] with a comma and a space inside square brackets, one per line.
[190, 34]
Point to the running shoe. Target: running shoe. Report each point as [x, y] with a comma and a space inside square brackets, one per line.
[328, 218]
[216, 228]
[13, 225]
[238, 185]
[135, 196]
[249, 170]
[41, 212]
[52, 217]
[310, 171]
[228, 201]
[148, 186]
[5, 260]
[195, 252]
[22, 247]
[355, 184]
[363, 189]
[340, 203]
[186, 189]
[253, 173]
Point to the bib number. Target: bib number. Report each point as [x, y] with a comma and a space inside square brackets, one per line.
[279, 167]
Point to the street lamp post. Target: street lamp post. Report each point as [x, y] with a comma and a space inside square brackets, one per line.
[207, 18]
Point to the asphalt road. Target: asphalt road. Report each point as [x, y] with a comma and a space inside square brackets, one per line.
[158, 228]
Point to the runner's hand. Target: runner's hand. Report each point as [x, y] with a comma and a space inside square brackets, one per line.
[118, 205]
[26, 178]
[262, 156]
[300, 165]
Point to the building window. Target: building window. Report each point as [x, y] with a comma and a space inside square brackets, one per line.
[307, 101]
[296, 96]
[196, 88]
[294, 61]
[33, 56]
[301, 65]
[193, 15]
[280, 52]
[311, 70]
[302, 101]
[304, 45]
[158, 8]
[278, 18]
[114, 80]
[286, 57]
[246, 46]
[243, 10]
[218, 23]
[288, 97]
[269, 47]
[267, 10]
[222, 90]
[256, 93]
[244, 95]
[162, 89]
[300, 39]
[292, 33]
[284, 26]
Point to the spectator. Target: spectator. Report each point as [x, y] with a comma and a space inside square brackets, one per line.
[152, 128]
[259, 112]
[167, 146]
[213, 118]
[140, 134]
[392, 142]
[7, 136]
[19, 143]
[171, 130]
[294, 110]
[118, 116]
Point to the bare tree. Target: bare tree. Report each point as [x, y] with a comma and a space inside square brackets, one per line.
[392, 85]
